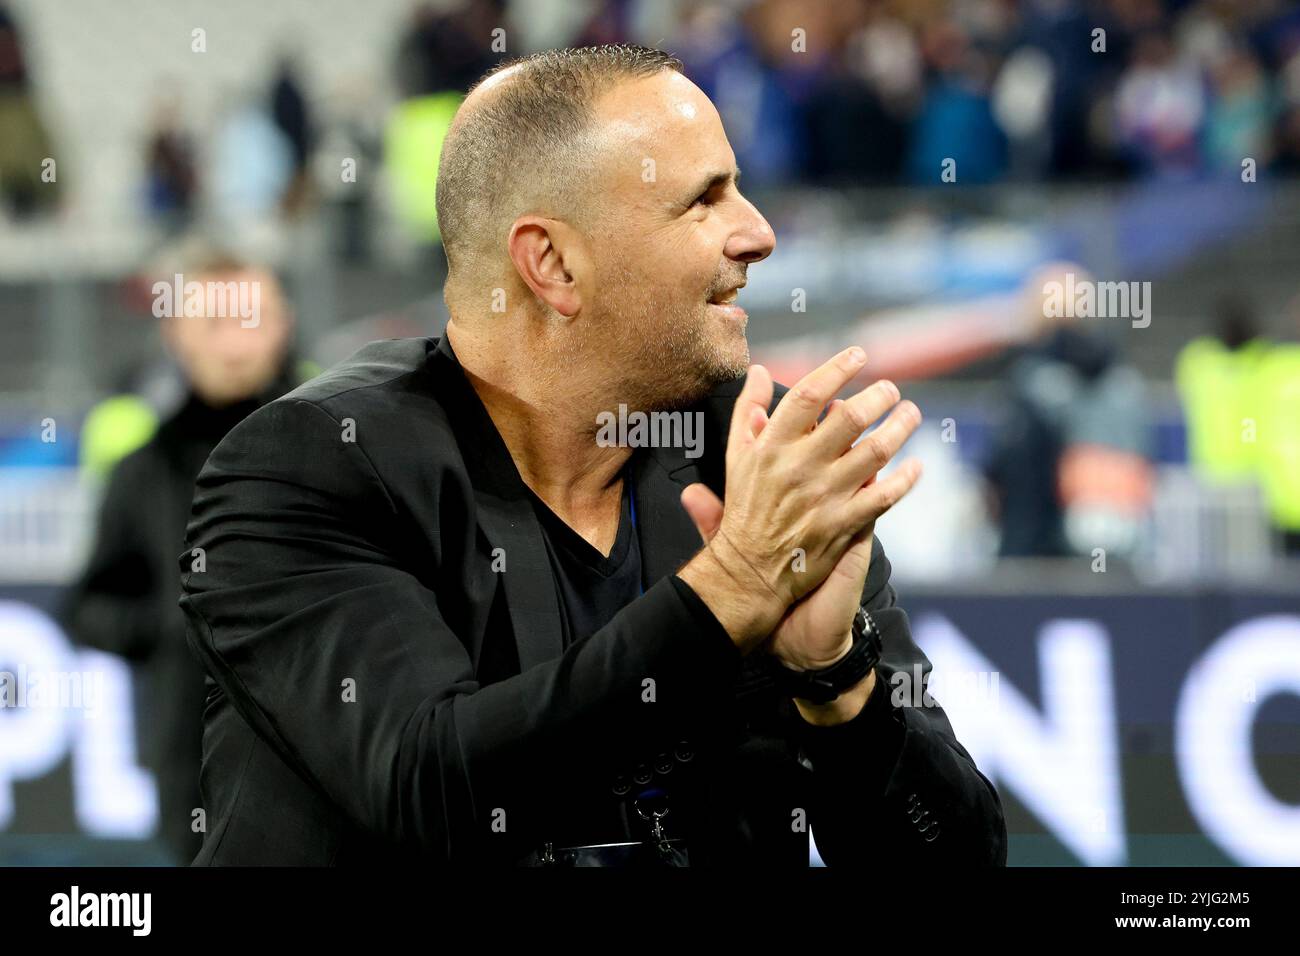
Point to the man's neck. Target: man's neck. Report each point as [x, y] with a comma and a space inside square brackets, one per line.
[547, 418]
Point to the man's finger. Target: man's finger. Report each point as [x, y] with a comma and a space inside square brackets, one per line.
[755, 396]
[870, 502]
[800, 407]
[849, 419]
[878, 446]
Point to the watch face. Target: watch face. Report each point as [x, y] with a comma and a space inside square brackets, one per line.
[862, 623]
[824, 686]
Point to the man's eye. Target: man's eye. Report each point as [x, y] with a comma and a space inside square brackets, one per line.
[703, 199]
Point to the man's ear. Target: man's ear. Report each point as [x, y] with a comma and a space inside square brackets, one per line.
[549, 257]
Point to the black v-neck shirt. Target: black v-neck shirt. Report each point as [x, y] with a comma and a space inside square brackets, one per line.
[592, 587]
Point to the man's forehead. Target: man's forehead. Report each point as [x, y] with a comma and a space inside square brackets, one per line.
[653, 103]
[664, 113]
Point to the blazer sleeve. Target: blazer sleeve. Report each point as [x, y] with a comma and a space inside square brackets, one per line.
[895, 780]
[303, 611]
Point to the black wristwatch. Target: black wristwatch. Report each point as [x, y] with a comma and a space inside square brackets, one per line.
[824, 685]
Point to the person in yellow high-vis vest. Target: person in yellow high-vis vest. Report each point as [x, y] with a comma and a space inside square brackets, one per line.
[1276, 390]
[1218, 388]
[1241, 397]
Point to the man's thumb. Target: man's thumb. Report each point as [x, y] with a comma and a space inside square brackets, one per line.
[704, 508]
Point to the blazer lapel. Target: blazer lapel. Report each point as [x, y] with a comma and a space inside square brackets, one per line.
[505, 516]
[667, 534]
[511, 524]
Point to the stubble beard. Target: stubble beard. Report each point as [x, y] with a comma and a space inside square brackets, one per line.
[673, 357]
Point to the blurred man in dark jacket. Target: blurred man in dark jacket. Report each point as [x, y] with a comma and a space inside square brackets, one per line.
[1069, 467]
[125, 600]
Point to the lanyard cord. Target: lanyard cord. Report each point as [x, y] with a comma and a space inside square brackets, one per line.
[631, 497]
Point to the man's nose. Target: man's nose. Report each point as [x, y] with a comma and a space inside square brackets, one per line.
[754, 240]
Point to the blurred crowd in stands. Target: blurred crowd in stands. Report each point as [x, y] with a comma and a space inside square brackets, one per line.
[24, 140]
[848, 92]
[831, 92]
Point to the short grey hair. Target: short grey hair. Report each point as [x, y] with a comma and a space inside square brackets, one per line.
[529, 146]
[195, 254]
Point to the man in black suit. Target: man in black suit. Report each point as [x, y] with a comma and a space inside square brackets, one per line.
[450, 615]
[124, 600]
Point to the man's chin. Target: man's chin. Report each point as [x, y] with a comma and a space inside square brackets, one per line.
[716, 367]
[731, 360]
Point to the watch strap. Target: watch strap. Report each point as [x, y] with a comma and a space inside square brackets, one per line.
[825, 684]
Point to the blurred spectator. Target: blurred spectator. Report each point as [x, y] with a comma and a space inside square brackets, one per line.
[171, 182]
[439, 58]
[290, 113]
[609, 22]
[1240, 117]
[1241, 399]
[1022, 104]
[858, 122]
[351, 148]
[1159, 107]
[956, 117]
[125, 600]
[262, 147]
[1082, 81]
[1217, 379]
[1279, 440]
[762, 75]
[1069, 466]
[1286, 140]
[252, 168]
[26, 187]
[1278, 452]
[448, 49]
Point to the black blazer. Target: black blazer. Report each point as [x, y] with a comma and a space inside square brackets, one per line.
[382, 688]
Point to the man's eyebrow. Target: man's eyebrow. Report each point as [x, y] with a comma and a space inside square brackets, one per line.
[713, 180]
